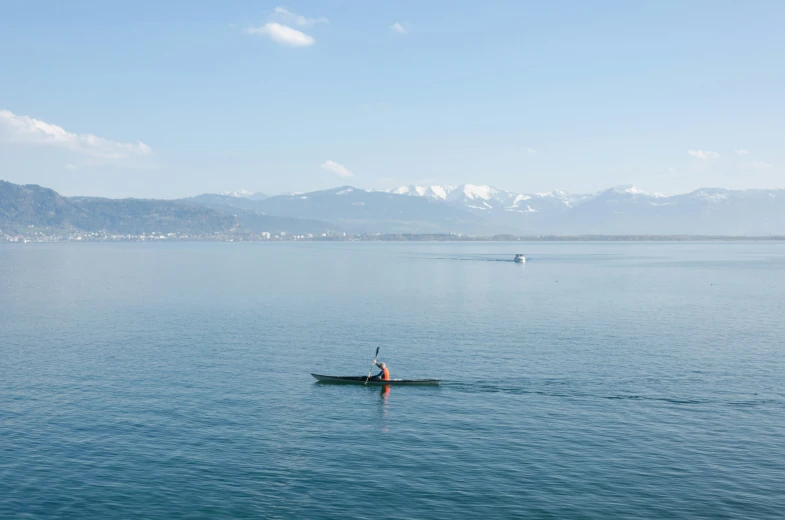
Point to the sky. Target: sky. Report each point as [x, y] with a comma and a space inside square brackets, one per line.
[171, 99]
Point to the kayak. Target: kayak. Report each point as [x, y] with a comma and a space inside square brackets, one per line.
[361, 380]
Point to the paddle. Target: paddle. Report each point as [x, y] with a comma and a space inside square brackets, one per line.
[372, 364]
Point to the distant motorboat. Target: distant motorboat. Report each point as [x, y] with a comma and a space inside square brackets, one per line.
[519, 258]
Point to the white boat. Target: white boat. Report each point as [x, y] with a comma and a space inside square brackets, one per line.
[519, 258]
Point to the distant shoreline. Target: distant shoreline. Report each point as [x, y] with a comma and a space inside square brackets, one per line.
[576, 238]
[76, 237]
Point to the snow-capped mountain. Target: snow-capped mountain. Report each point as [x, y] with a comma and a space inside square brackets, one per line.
[480, 209]
[243, 194]
[463, 192]
[468, 209]
[372, 211]
[485, 198]
[618, 210]
[497, 205]
[708, 211]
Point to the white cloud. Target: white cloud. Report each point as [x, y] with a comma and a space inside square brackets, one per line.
[287, 16]
[27, 130]
[71, 167]
[532, 151]
[338, 169]
[282, 34]
[742, 151]
[401, 28]
[704, 154]
[761, 164]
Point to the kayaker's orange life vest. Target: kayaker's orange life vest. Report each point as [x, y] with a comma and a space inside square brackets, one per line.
[386, 374]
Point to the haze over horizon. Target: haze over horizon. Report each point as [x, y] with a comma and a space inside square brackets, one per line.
[172, 100]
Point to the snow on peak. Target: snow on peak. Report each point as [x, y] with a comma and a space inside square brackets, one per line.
[344, 191]
[518, 199]
[484, 192]
[431, 192]
[243, 194]
[439, 192]
[488, 198]
[452, 192]
[628, 189]
[555, 194]
[711, 194]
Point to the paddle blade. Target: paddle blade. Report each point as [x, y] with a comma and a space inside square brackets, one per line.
[377, 353]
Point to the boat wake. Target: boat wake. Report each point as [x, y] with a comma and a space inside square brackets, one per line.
[563, 390]
[478, 259]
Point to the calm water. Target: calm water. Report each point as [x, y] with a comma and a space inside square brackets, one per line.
[610, 380]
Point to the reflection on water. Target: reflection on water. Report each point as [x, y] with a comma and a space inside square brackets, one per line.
[385, 396]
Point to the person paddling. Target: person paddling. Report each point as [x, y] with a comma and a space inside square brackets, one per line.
[384, 375]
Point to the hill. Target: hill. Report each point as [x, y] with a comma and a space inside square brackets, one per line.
[33, 205]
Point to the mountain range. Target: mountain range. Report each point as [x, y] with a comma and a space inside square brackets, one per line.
[361, 211]
[465, 209]
[482, 209]
[620, 210]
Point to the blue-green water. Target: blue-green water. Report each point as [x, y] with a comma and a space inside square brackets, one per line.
[608, 380]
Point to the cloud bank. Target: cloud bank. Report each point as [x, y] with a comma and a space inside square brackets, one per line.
[287, 16]
[338, 169]
[400, 28]
[704, 154]
[278, 31]
[282, 34]
[27, 130]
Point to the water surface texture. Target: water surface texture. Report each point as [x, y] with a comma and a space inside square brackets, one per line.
[598, 380]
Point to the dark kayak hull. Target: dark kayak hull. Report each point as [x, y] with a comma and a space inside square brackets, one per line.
[361, 380]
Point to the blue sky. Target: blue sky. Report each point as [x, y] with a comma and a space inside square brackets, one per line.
[167, 99]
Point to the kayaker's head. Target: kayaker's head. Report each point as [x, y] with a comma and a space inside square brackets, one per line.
[381, 365]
